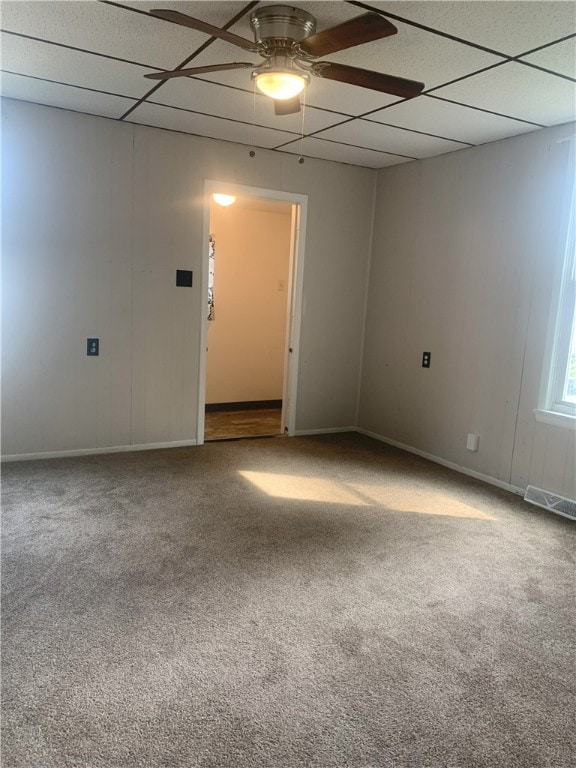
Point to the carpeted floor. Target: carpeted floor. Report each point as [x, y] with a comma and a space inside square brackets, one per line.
[322, 602]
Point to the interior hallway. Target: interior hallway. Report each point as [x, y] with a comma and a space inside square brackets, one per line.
[222, 425]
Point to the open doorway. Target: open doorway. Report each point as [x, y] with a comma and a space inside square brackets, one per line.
[252, 317]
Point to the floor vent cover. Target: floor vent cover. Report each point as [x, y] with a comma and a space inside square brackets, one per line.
[552, 502]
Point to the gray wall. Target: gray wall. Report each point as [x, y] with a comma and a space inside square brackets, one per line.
[97, 216]
[466, 249]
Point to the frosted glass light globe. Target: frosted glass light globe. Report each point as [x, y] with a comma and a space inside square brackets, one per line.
[280, 85]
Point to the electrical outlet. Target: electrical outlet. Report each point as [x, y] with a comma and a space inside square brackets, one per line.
[426, 359]
[472, 442]
[92, 347]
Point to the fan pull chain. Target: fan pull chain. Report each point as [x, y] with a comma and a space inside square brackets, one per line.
[301, 158]
[252, 152]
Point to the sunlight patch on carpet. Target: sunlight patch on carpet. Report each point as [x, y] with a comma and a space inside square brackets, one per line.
[395, 497]
[402, 499]
[302, 488]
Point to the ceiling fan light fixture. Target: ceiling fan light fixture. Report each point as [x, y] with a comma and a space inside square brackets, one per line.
[223, 200]
[281, 85]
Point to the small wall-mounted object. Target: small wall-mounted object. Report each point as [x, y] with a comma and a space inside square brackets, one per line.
[184, 278]
[472, 442]
[426, 359]
[92, 347]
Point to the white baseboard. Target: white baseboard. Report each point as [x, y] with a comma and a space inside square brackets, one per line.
[327, 431]
[97, 451]
[445, 463]
[297, 433]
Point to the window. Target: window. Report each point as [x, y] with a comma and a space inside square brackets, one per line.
[562, 384]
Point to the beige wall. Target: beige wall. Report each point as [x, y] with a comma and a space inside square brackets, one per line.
[246, 340]
[466, 249]
[97, 215]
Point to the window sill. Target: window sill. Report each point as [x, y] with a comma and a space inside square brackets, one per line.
[555, 418]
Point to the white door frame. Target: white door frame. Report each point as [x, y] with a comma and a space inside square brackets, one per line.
[293, 309]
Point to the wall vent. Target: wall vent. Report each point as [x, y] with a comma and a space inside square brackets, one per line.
[552, 502]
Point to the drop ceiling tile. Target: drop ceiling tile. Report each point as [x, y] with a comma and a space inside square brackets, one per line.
[220, 52]
[37, 59]
[209, 98]
[417, 55]
[342, 153]
[217, 13]
[394, 140]
[558, 58]
[348, 99]
[412, 53]
[211, 127]
[518, 91]
[451, 121]
[109, 29]
[509, 27]
[63, 96]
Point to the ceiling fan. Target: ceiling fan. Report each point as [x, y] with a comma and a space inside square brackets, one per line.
[286, 38]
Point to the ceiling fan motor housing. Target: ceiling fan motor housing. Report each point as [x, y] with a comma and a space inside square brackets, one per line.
[279, 23]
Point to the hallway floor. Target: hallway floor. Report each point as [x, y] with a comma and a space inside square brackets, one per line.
[220, 425]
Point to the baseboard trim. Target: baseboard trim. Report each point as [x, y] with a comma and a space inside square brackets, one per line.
[97, 451]
[449, 464]
[327, 431]
[244, 405]
[298, 433]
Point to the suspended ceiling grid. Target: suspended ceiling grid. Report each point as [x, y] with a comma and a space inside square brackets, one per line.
[491, 70]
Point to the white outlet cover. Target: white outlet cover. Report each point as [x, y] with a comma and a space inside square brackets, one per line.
[472, 442]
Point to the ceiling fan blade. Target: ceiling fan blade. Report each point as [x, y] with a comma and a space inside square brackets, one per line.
[366, 78]
[361, 29]
[287, 106]
[197, 70]
[201, 26]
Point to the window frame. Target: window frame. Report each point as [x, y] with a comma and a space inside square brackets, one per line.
[566, 320]
[564, 323]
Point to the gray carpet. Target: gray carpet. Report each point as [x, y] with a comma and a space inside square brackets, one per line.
[319, 602]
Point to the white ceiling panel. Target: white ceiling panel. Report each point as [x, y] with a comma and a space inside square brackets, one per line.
[385, 139]
[558, 58]
[106, 47]
[220, 52]
[518, 91]
[417, 55]
[342, 97]
[211, 127]
[510, 27]
[412, 53]
[341, 153]
[96, 26]
[63, 96]
[30, 57]
[201, 96]
[451, 121]
[217, 13]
